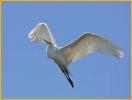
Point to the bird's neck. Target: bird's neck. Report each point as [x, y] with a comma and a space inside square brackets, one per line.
[51, 49]
[52, 46]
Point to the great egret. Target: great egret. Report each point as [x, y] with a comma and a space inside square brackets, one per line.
[86, 44]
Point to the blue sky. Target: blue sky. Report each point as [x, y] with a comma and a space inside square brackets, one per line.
[28, 73]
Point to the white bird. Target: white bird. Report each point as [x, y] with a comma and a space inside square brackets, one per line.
[86, 44]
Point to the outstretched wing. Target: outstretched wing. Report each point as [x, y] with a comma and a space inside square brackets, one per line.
[40, 33]
[89, 43]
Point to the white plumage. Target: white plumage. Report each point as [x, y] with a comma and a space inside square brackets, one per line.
[40, 33]
[86, 44]
[89, 43]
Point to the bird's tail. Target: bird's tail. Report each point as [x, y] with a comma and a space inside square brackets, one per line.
[66, 72]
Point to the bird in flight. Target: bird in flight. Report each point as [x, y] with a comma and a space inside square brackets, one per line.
[86, 44]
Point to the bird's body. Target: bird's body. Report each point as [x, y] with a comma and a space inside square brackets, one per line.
[86, 44]
[55, 53]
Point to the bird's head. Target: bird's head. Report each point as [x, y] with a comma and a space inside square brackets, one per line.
[47, 41]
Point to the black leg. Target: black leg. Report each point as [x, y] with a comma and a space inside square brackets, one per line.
[65, 72]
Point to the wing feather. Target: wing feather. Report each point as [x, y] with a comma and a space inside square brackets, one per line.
[89, 43]
[40, 33]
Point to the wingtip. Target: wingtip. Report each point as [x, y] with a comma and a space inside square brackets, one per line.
[120, 54]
